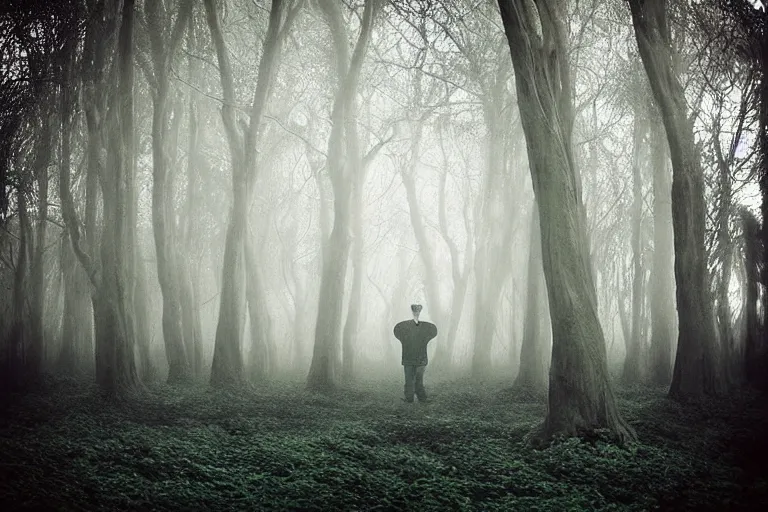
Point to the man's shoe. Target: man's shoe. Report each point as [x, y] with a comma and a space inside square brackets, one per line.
[407, 401]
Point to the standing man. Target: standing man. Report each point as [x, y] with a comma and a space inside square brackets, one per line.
[414, 336]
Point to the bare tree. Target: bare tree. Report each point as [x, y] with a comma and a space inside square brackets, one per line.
[344, 161]
[227, 368]
[163, 49]
[696, 370]
[580, 393]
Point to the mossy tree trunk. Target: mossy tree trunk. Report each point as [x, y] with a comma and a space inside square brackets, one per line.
[580, 393]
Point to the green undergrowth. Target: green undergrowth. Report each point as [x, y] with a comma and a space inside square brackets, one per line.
[280, 447]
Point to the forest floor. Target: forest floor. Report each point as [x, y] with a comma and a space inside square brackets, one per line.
[282, 448]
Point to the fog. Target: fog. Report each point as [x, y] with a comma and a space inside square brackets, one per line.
[260, 190]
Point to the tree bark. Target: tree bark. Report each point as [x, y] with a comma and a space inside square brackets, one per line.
[725, 255]
[262, 354]
[580, 393]
[631, 373]
[459, 275]
[532, 375]
[36, 343]
[343, 162]
[492, 242]
[115, 366]
[189, 261]
[227, 365]
[696, 371]
[76, 356]
[753, 348]
[19, 332]
[163, 51]
[662, 276]
[147, 369]
[351, 325]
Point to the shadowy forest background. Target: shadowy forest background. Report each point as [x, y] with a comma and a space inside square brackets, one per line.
[240, 191]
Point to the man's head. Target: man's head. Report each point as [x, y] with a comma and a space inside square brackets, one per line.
[416, 309]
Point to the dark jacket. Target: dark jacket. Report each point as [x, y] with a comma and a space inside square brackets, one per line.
[414, 338]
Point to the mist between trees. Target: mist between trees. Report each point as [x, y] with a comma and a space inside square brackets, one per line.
[238, 191]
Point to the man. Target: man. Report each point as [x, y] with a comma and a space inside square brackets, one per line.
[414, 336]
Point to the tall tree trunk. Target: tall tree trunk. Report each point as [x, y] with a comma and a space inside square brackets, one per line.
[580, 393]
[36, 345]
[163, 51]
[115, 366]
[349, 335]
[696, 371]
[532, 374]
[460, 276]
[492, 243]
[323, 369]
[74, 324]
[190, 280]
[299, 330]
[662, 276]
[343, 162]
[167, 264]
[262, 354]
[227, 365]
[19, 332]
[725, 250]
[753, 347]
[147, 369]
[632, 363]
[76, 356]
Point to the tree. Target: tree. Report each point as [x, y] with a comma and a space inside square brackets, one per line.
[580, 393]
[227, 367]
[344, 161]
[696, 364]
[77, 318]
[753, 348]
[662, 272]
[532, 375]
[113, 317]
[632, 363]
[163, 49]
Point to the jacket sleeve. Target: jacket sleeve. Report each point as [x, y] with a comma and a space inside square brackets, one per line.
[433, 331]
[397, 331]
